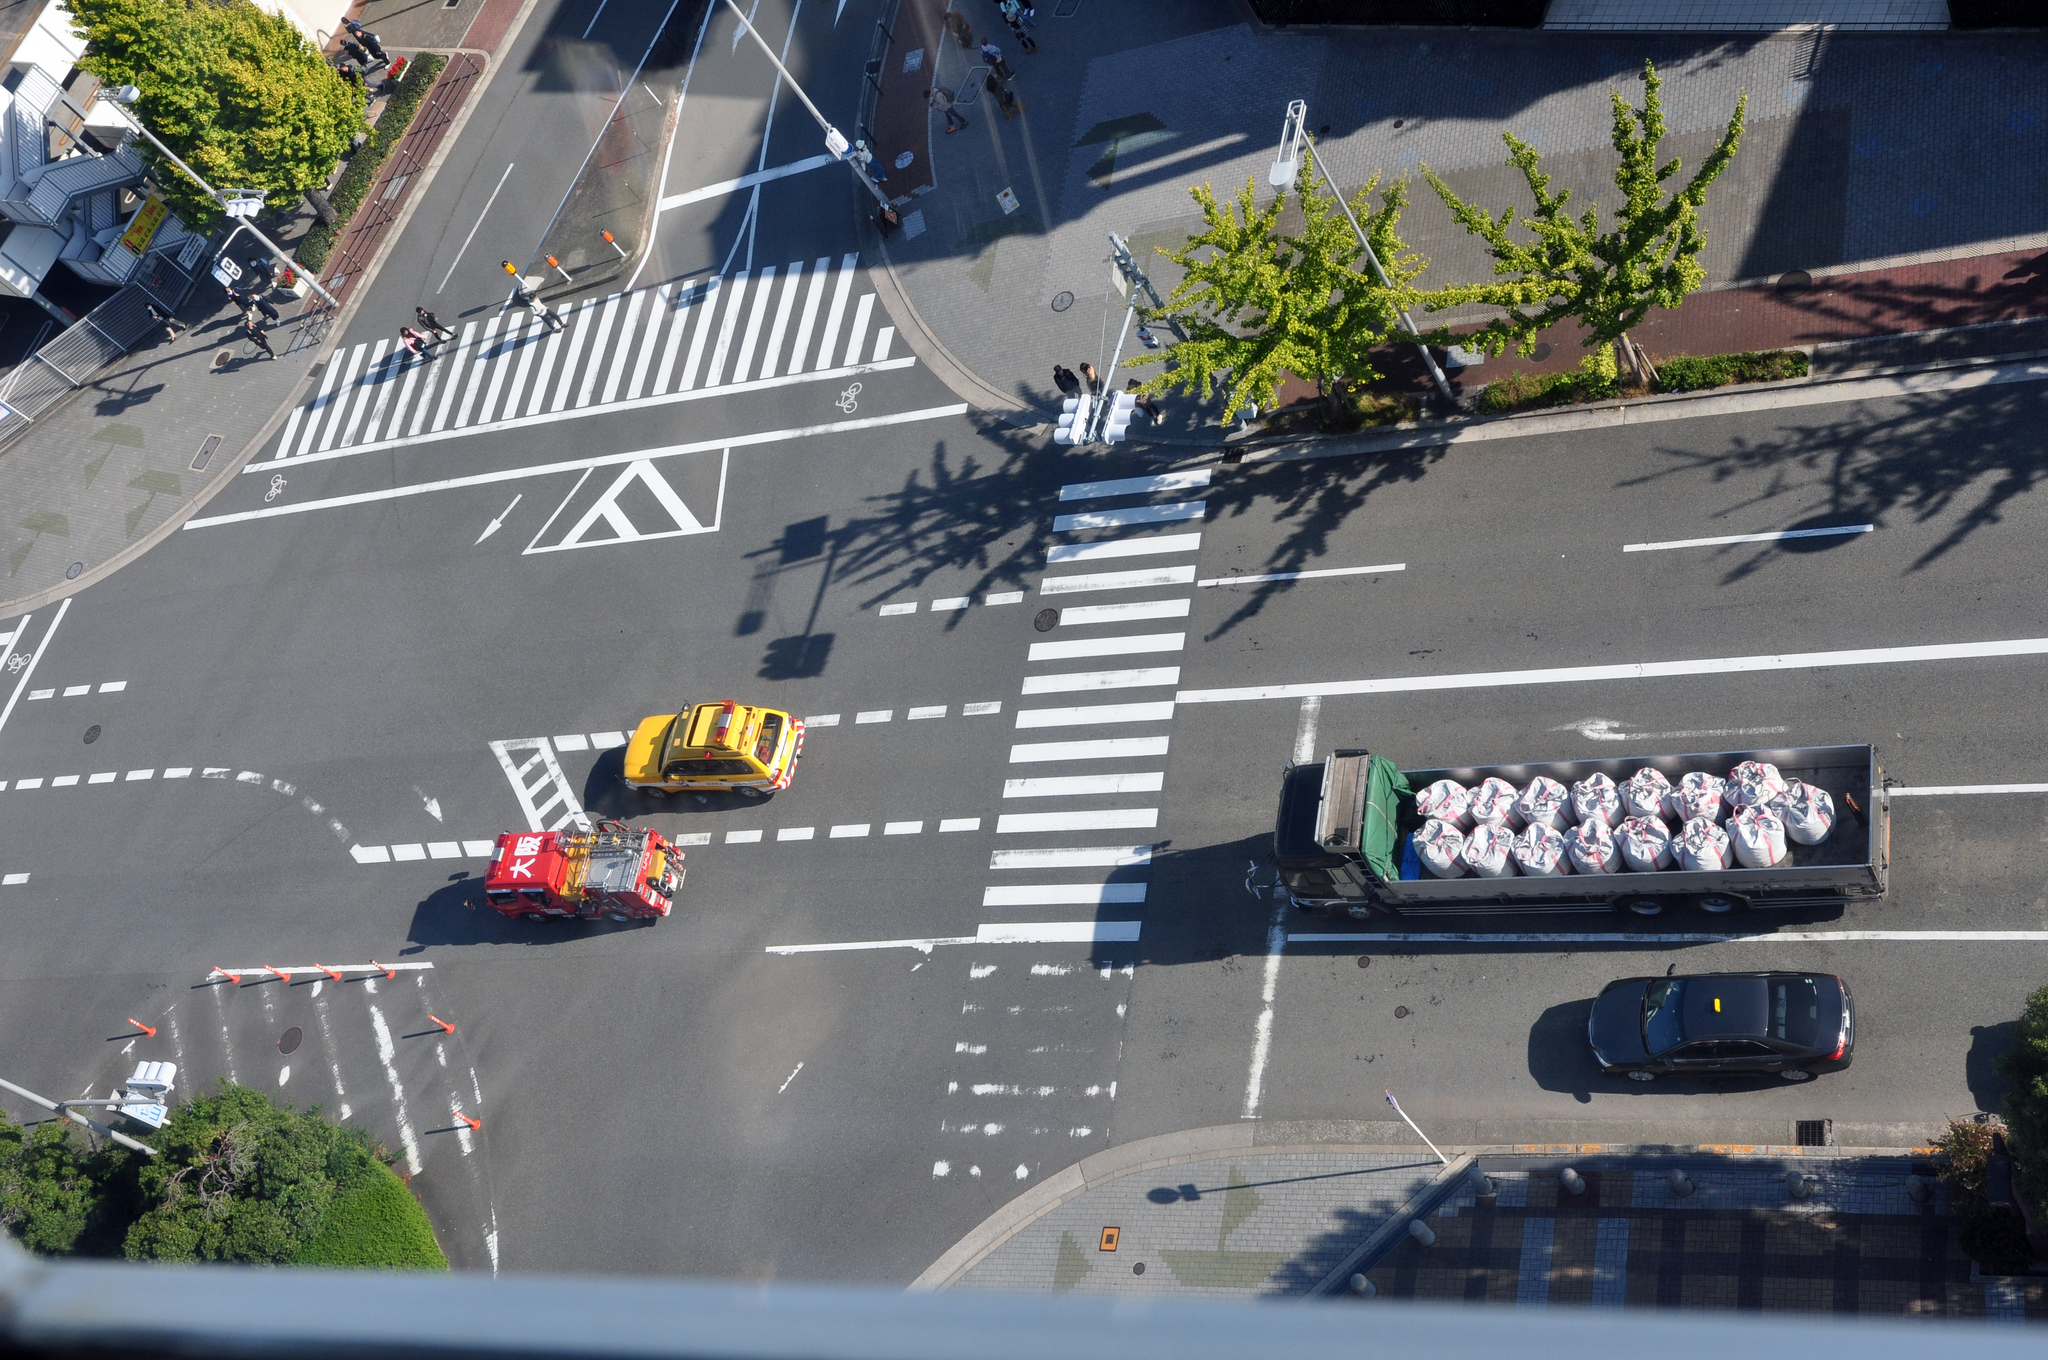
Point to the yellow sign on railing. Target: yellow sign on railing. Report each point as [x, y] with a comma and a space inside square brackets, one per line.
[143, 229]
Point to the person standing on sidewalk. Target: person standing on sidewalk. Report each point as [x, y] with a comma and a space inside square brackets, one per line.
[1024, 40]
[993, 55]
[1094, 382]
[1064, 379]
[941, 99]
[1144, 402]
[432, 323]
[1017, 14]
[956, 24]
[367, 39]
[355, 52]
[170, 323]
[252, 329]
[1005, 97]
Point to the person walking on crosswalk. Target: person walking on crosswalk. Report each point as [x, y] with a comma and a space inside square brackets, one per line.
[433, 323]
[528, 296]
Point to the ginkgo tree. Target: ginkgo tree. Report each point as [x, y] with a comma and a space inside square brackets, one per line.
[1607, 281]
[1256, 303]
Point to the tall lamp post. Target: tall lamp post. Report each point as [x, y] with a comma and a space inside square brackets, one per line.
[125, 95]
[835, 140]
[1293, 135]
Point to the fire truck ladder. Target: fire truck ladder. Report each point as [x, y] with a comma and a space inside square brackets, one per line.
[542, 793]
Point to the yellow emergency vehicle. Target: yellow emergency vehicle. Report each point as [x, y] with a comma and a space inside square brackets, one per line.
[712, 746]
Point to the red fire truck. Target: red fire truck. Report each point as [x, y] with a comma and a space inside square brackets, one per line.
[615, 871]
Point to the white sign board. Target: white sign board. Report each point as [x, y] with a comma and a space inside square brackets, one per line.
[152, 1115]
[227, 271]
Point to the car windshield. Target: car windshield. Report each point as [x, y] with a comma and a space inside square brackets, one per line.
[1662, 1030]
[771, 733]
[1795, 1010]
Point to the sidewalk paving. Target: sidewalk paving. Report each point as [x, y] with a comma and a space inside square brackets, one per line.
[1940, 222]
[1214, 1213]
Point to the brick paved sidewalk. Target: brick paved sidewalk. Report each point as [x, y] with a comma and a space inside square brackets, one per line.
[1840, 168]
[1151, 1219]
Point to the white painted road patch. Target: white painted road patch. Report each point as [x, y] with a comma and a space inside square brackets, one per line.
[1748, 538]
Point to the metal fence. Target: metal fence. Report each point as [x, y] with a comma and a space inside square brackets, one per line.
[102, 337]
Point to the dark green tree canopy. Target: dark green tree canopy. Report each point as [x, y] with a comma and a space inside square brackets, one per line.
[239, 94]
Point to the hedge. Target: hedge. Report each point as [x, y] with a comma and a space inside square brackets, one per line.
[1690, 373]
[375, 1222]
[354, 185]
[1535, 391]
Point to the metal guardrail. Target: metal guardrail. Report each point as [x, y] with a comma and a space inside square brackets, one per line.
[102, 337]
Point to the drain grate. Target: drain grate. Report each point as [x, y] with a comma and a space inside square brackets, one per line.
[1814, 1132]
[206, 452]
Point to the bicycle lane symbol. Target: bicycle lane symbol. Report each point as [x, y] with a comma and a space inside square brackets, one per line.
[849, 400]
[276, 486]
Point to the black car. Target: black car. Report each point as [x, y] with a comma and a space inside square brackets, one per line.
[1794, 1024]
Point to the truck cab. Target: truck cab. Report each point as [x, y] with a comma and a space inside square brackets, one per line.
[712, 746]
[1317, 876]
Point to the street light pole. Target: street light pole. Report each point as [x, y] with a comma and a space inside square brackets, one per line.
[1293, 134]
[276, 251]
[835, 140]
[62, 1109]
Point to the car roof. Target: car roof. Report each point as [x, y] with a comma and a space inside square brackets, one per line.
[1726, 1006]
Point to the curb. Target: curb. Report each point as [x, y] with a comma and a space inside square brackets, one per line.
[1206, 1144]
[232, 468]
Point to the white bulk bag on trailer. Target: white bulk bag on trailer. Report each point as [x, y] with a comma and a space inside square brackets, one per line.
[1702, 795]
[1647, 794]
[1489, 851]
[1448, 801]
[1545, 803]
[1591, 846]
[1540, 852]
[1703, 845]
[1755, 783]
[1645, 844]
[1441, 848]
[1759, 837]
[1493, 804]
[1809, 813]
[1596, 799]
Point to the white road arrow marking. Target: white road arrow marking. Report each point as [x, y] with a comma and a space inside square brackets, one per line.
[490, 529]
[433, 804]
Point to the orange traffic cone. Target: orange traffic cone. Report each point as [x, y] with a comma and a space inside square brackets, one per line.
[150, 1030]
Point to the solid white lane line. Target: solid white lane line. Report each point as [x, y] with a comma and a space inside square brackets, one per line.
[1749, 538]
[1110, 646]
[1951, 790]
[1095, 713]
[1017, 932]
[1102, 819]
[1074, 857]
[733, 186]
[1079, 681]
[1639, 670]
[1116, 580]
[1106, 748]
[587, 390]
[573, 465]
[1064, 895]
[764, 294]
[1136, 514]
[800, 348]
[735, 303]
[1382, 568]
[1663, 941]
[792, 281]
[1124, 613]
[486, 350]
[1123, 547]
[1135, 486]
[63, 607]
[495, 191]
[836, 313]
[707, 311]
[1075, 785]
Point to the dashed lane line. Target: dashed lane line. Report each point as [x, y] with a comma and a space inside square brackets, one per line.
[77, 691]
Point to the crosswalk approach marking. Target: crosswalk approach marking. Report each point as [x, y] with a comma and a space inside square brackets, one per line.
[676, 330]
[764, 292]
[792, 280]
[816, 294]
[597, 339]
[629, 333]
[579, 335]
[723, 349]
[836, 313]
[340, 406]
[656, 312]
[463, 347]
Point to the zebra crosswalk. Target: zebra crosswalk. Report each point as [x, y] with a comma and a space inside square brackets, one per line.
[672, 342]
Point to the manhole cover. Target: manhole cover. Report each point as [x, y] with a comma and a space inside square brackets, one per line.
[1401, 1012]
[1399, 121]
[290, 1040]
[71, 572]
[92, 734]
[1544, 349]
[1794, 281]
[1047, 620]
[1138, 1269]
[1062, 300]
[221, 357]
[1365, 960]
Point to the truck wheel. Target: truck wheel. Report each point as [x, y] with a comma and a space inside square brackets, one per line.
[617, 916]
[1719, 904]
[1643, 906]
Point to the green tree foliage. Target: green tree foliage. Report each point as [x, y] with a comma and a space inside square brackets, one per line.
[58, 1195]
[1256, 303]
[237, 93]
[1607, 281]
[2025, 1065]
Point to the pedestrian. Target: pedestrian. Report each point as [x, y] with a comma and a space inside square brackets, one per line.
[414, 342]
[540, 310]
[1024, 40]
[432, 322]
[1064, 379]
[1147, 338]
[262, 304]
[1005, 97]
[865, 159]
[956, 24]
[253, 330]
[170, 323]
[355, 52]
[993, 55]
[262, 273]
[941, 98]
[1016, 13]
[367, 39]
[1094, 382]
[348, 72]
[1143, 401]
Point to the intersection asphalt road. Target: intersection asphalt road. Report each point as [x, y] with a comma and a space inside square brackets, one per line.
[1015, 907]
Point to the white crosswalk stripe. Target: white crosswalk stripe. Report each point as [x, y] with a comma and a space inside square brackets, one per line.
[649, 345]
